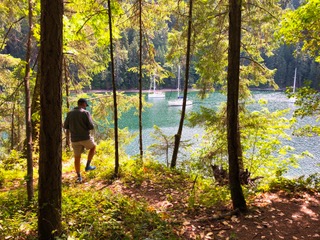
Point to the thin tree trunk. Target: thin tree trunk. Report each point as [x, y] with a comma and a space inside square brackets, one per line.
[140, 83]
[241, 166]
[115, 105]
[28, 110]
[67, 99]
[50, 162]
[177, 137]
[12, 125]
[232, 104]
[18, 139]
[35, 110]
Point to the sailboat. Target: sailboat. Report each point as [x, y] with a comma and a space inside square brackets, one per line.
[179, 100]
[294, 80]
[293, 98]
[154, 93]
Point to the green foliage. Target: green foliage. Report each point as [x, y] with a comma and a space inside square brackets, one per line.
[12, 160]
[165, 144]
[11, 14]
[86, 214]
[95, 213]
[211, 43]
[263, 134]
[208, 193]
[303, 183]
[86, 39]
[307, 102]
[2, 178]
[99, 210]
[302, 26]
[18, 218]
[11, 99]
[105, 215]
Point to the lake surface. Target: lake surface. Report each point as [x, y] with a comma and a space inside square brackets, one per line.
[168, 117]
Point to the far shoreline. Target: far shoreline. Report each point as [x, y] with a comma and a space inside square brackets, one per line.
[136, 90]
[173, 90]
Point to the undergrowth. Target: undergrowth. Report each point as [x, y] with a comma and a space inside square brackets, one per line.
[89, 212]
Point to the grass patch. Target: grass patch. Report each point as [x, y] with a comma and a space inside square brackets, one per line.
[97, 209]
[105, 215]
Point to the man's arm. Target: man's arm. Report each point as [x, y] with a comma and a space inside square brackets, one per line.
[90, 121]
[66, 122]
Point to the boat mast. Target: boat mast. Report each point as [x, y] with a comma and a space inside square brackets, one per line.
[294, 80]
[178, 81]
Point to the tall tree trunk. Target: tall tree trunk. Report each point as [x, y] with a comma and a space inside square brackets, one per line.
[140, 82]
[19, 146]
[67, 98]
[50, 162]
[115, 105]
[241, 167]
[12, 126]
[28, 109]
[232, 104]
[177, 137]
[35, 110]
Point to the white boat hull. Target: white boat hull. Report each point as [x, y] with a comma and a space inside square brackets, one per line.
[179, 102]
[156, 95]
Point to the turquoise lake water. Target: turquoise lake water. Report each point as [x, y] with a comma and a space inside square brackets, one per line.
[167, 118]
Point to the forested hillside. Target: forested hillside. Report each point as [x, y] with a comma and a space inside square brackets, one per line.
[53, 52]
[162, 30]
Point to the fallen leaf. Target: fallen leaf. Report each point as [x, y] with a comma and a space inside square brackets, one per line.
[221, 233]
[186, 223]
[225, 223]
[235, 219]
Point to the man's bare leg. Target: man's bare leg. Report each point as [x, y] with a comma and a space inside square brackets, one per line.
[77, 167]
[77, 164]
[90, 156]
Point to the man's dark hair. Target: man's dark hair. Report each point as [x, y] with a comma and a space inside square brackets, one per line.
[82, 100]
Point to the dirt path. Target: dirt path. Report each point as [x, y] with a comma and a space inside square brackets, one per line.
[271, 216]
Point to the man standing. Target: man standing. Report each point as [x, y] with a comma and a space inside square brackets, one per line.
[79, 123]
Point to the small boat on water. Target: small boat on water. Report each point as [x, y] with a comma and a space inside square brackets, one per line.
[155, 93]
[293, 98]
[179, 100]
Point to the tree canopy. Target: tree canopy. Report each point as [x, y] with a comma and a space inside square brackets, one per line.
[301, 26]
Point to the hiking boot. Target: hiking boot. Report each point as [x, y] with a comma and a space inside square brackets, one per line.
[90, 168]
[79, 180]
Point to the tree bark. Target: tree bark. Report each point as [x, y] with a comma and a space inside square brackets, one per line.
[177, 137]
[35, 110]
[115, 105]
[241, 166]
[12, 138]
[28, 109]
[67, 99]
[140, 82]
[50, 164]
[237, 196]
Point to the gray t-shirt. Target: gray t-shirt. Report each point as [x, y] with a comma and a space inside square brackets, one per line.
[79, 123]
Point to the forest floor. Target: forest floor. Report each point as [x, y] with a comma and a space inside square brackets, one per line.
[272, 215]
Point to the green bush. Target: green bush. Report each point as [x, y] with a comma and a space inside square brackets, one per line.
[302, 183]
[2, 178]
[13, 160]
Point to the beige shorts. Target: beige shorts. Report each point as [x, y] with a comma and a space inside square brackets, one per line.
[78, 147]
